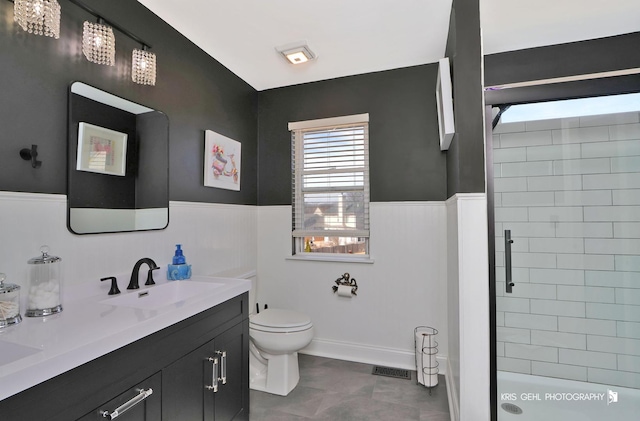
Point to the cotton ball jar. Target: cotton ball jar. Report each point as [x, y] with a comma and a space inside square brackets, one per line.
[45, 284]
[9, 303]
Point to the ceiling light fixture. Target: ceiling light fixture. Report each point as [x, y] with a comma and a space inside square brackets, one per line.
[296, 53]
[40, 17]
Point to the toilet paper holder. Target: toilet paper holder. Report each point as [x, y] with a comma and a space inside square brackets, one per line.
[346, 280]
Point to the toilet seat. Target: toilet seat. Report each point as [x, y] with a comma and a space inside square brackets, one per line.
[280, 321]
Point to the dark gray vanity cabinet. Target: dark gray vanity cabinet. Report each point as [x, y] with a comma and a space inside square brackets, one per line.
[174, 362]
[232, 398]
[208, 384]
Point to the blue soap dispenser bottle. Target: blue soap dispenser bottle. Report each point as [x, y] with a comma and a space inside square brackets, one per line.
[178, 258]
[179, 269]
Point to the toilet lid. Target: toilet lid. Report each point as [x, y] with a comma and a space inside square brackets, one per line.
[277, 318]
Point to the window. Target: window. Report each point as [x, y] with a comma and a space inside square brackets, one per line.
[330, 168]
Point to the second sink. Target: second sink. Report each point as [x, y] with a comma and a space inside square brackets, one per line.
[10, 352]
[162, 295]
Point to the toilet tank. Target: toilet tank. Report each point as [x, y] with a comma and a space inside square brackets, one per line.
[244, 273]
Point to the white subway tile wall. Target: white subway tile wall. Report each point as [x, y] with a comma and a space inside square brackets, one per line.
[569, 191]
[624, 329]
[562, 371]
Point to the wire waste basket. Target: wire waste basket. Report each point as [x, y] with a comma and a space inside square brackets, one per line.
[426, 351]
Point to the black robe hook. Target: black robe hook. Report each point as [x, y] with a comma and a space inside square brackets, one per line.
[31, 155]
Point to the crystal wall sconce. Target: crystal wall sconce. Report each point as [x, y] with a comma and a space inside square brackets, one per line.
[40, 17]
[143, 67]
[99, 43]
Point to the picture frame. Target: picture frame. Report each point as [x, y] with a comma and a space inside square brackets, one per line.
[101, 150]
[444, 103]
[222, 161]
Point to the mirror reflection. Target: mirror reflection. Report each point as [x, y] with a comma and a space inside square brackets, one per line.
[118, 170]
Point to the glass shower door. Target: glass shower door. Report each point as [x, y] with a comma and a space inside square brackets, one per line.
[567, 260]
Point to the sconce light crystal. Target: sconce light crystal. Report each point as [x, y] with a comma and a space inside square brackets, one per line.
[40, 17]
[143, 67]
[99, 43]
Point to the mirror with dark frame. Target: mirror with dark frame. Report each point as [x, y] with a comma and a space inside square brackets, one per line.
[118, 164]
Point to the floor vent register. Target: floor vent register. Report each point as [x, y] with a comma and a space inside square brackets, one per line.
[398, 373]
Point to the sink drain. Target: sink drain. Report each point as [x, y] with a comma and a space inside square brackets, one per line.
[511, 408]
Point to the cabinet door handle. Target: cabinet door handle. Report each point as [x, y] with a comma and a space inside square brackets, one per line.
[214, 375]
[223, 366]
[141, 396]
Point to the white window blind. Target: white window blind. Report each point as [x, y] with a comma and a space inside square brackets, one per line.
[331, 179]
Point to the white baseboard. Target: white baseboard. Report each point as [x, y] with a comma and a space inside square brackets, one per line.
[388, 357]
[454, 404]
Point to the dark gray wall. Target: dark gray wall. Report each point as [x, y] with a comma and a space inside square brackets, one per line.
[194, 90]
[465, 157]
[405, 159]
[590, 56]
[576, 58]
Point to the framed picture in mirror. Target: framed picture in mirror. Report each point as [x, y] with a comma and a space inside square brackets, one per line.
[101, 150]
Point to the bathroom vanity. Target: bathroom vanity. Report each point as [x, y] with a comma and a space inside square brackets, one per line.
[186, 360]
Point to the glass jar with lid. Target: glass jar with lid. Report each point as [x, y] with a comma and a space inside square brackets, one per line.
[45, 285]
[9, 303]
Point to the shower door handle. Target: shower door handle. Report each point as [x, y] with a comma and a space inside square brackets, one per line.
[507, 261]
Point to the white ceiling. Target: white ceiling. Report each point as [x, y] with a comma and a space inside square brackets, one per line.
[361, 36]
[516, 24]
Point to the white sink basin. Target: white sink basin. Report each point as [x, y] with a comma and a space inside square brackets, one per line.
[10, 352]
[162, 295]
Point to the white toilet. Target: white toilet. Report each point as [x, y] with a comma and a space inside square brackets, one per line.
[275, 337]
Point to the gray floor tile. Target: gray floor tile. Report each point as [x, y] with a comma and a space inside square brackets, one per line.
[409, 392]
[336, 379]
[274, 415]
[335, 390]
[302, 401]
[336, 399]
[363, 409]
[434, 416]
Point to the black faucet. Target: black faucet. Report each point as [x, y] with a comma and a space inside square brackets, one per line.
[133, 282]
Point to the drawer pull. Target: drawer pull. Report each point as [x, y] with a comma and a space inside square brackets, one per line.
[142, 395]
[214, 375]
[223, 366]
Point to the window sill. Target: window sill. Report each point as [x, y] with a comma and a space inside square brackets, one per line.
[330, 258]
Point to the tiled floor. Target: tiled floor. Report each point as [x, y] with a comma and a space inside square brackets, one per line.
[335, 390]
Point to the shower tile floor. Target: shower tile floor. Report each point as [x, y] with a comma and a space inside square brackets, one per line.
[335, 390]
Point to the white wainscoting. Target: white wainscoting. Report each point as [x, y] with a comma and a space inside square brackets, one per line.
[405, 286]
[215, 238]
[468, 299]
[453, 310]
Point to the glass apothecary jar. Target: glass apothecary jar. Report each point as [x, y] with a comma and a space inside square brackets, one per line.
[9, 303]
[45, 285]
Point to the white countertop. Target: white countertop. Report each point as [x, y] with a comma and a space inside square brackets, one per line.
[87, 329]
